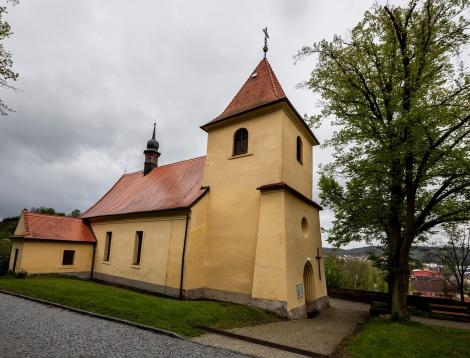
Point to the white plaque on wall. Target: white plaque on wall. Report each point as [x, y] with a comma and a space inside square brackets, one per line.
[300, 290]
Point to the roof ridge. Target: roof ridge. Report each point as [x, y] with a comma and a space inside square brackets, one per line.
[182, 161]
[166, 165]
[55, 216]
[268, 66]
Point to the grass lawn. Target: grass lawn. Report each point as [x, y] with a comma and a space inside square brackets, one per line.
[166, 313]
[383, 338]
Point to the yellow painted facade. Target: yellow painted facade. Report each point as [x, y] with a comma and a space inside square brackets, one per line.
[37, 256]
[161, 253]
[255, 245]
[234, 201]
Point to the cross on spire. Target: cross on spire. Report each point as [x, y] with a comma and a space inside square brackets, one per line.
[266, 37]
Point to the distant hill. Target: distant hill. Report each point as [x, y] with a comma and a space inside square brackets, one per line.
[7, 227]
[423, 254]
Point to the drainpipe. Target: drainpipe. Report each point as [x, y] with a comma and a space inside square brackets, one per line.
[93, 261]
[183, 255]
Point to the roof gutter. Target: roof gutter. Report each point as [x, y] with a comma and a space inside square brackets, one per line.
[208, 125]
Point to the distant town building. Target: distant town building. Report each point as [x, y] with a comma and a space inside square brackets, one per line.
[427, 282]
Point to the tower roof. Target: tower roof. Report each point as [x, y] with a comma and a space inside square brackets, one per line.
[261, 88]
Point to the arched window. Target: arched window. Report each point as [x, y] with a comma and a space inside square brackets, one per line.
[240, 142]
[299, 150]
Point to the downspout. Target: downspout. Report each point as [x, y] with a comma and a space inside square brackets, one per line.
[93, 261]
[184, 254]
[94, 249]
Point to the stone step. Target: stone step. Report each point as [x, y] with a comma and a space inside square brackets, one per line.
[450, 307]
[460, 314]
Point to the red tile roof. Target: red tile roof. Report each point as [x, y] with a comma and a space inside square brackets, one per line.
[60, 228]
[166, 187]
[262, 87]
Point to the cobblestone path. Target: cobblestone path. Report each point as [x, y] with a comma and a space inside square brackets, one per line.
[30, 329]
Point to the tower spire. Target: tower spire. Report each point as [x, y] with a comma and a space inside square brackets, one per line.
[266, 37]
[151, 153]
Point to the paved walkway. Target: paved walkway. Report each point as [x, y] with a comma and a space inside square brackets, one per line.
[30, 329]
[321, 334]
[441, 322]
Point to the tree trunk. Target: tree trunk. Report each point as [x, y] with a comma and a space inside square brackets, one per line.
[461, 290]
[399, 286]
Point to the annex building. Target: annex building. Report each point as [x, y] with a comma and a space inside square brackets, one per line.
[238, 224]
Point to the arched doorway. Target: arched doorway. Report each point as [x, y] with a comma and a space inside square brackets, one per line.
[308, 283]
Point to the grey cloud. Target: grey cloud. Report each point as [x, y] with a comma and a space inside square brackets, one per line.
[95, 75]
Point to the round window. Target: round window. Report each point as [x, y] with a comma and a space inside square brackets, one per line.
[305, 227]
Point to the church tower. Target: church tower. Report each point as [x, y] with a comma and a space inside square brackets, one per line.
[263, 232]
[151, 153]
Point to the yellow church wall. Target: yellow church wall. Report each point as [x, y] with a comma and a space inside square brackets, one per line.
[194, 268]
[37, 256]
[234, 202]
[162, 242]
[297, 175]
[20, 228]
[301, 248]
[269, 277]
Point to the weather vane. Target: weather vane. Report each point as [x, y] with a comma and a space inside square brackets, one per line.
[266, 37]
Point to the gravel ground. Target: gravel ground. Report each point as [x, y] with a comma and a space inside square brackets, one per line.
[30, 329]
[321, 334]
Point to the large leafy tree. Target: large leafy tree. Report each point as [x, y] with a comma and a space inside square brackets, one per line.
[6, 63]
[399, 97]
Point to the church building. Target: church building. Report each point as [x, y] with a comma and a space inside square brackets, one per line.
[238, 224]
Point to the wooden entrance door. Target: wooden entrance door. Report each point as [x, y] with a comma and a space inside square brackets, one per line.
[309, 283]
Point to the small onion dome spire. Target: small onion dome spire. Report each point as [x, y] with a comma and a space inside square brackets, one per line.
[151, 153]
[153, 143]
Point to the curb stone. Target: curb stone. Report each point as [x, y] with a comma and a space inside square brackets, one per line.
[118, 320]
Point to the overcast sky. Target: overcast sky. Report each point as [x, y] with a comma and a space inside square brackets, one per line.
[94, 75]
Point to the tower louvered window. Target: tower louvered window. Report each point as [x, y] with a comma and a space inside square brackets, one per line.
[299, 150]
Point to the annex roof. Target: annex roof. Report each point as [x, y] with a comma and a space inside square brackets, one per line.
[57, 228]
[285, 186]
[166, 187]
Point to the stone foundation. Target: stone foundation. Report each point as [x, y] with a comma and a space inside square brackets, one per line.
[278, 307]
[85, 274]
[139, 285]
[318, 305]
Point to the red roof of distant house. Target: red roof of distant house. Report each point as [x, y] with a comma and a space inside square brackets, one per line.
[172, 186]
[60, 228]
[260, 89]
[425, 273]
